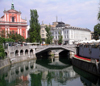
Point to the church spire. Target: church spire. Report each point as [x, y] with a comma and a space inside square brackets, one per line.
[12, 5]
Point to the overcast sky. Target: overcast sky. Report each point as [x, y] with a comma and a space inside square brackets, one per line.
[79, 13]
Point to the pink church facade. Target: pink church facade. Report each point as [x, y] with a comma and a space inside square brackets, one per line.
[12, 21]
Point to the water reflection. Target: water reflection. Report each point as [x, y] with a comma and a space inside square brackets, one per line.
[86, 78]
[30, 73]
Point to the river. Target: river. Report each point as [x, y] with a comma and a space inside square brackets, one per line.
[46, 72]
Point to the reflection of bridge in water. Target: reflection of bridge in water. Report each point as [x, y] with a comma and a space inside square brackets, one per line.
[31, 67]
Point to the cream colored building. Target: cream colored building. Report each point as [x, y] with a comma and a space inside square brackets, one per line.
[43, 31]
[69, 33]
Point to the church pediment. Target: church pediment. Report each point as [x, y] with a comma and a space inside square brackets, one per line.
[12, 11]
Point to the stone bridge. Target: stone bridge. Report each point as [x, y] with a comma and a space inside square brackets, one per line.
[26, 52]
[56, 49]
[20, 53]
[71, 48]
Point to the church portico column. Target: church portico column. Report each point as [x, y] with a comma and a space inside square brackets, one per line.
[20, 31]
[8, 31]
[5, 32]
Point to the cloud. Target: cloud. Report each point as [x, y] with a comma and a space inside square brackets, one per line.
[80, 13]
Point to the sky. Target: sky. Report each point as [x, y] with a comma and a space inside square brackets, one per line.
[78, 13]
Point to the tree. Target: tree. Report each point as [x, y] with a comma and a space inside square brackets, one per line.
[16, 37]
[96, 31]
[34, 31]
[97, 28]
[2, 33]
[49, 35]
[2, 53]
[60, 38]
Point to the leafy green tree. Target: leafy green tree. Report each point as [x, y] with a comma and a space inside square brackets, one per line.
[60, 38]
[16, 37]
[96, 31]
[97, 28]
[34, 31]
[2, 33]
[9, 40]
[2, 53]
[49, 35]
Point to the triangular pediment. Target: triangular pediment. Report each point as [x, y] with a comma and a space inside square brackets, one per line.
[12, 11]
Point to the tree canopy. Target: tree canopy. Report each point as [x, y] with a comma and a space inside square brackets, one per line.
[97, 28]
[3, 40]
[97, 31]
[60, 38]
[34, 31]
[49, 35]
[17, 37]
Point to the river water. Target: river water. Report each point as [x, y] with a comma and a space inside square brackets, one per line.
[46, 73]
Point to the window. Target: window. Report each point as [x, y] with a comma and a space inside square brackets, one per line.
[12, 19]
[42, 35]
[43, 31]
[67, 31]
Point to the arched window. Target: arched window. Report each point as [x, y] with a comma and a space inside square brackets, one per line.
[12, 19]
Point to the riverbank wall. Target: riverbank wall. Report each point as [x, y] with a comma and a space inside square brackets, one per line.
[4, 63]
[9, 61]
[87, 66]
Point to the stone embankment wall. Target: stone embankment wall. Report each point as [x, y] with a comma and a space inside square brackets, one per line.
[89, 67]
[20, 59]
[4, 63]
[9, 61]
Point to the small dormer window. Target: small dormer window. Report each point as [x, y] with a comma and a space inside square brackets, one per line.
[12, 19]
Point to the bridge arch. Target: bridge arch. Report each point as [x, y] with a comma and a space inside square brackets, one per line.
[6, 54]
[16, 53]
[21, 52]
[26, 52]
[31, 52]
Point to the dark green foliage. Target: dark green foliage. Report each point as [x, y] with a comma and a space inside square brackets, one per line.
[49, 35]
[3, 40]
[96, 31]
[9, 40]
[34, 31]
[16, 37]
[2, 53]
[60, 38]
[97, 28]
[98, 15]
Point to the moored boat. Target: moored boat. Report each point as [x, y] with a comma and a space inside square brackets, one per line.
[88, 57]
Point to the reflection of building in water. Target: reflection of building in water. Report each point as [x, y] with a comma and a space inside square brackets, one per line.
[29, 73]
[20, 69]
[25, 80]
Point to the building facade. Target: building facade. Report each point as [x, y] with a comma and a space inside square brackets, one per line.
[12, 21]
[69, 33]
[43, 31]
